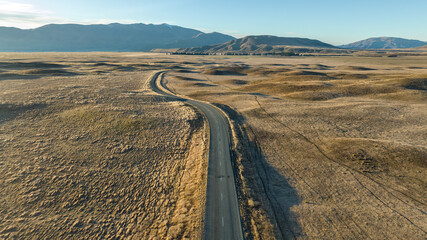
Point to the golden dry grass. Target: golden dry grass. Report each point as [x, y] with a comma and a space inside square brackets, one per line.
[94, 154]
[324, 147]
[341, 143]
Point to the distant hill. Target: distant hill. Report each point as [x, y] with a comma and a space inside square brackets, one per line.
[384, 43]
[110, 37]
[257, 44]
[424, 47]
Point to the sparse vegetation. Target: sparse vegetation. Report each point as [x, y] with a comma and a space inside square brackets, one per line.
[326, 147]
[323, 147]
[97, 156]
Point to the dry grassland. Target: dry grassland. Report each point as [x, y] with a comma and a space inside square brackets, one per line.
[87, 151]
[325, 147]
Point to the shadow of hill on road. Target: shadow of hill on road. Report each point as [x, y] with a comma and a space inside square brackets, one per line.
[268, 190]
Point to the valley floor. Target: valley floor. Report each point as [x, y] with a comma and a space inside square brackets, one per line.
[341, 142]
[88, 151]
[323, 147]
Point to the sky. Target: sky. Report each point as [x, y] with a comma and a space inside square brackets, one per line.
[332, 21]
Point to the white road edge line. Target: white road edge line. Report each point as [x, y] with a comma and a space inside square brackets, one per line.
[222, 218]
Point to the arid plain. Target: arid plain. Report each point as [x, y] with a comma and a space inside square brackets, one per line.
[328, 147]
[89, 151]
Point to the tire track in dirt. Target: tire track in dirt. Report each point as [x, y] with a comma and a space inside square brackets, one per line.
[351, 171]
[313, 192]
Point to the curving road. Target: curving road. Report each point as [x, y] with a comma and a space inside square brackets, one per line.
[222, 219]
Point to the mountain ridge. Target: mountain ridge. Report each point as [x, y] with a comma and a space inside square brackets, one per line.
[158, 37]
[104, 37]
[258, 44]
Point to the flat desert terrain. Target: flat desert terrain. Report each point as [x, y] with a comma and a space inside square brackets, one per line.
[331, 147]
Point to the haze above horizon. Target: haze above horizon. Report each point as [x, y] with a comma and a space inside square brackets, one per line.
[332, 21]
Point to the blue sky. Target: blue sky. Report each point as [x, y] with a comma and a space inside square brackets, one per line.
[332, 21]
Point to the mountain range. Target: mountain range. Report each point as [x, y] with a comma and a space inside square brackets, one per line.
[384, 43]
[110, 37]
[146, 37]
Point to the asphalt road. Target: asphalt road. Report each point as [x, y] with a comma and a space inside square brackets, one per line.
[222, 219]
